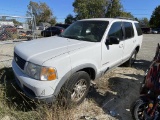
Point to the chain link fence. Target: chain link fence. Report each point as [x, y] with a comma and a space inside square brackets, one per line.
[6, 54]
[17, 28]
[13, 30]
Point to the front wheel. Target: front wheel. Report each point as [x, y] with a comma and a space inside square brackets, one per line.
[75, 89]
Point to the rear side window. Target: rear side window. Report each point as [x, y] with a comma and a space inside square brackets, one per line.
[139, 31]
[116, 30]
[129, 32]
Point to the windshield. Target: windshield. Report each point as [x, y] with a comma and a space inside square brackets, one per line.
[91, 31]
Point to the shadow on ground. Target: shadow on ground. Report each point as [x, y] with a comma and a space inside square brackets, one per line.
[123, 90]
[142, 64]
[12, 95]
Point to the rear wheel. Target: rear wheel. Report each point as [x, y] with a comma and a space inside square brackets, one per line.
[132, 59]
[75, 89]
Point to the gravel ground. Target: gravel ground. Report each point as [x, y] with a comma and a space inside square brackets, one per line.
[149, 45]
[148, 49]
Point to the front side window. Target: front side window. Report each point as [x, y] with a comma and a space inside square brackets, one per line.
[129, 32]
[91, 31]
[116, 30]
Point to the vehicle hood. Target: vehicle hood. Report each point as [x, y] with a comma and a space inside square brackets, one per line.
[40, 50]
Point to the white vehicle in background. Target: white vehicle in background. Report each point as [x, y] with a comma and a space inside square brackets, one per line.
[19, 27]
[156, 30]
[85, 51]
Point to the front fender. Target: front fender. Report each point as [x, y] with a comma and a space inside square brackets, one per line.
[82, 66]
[70, 73]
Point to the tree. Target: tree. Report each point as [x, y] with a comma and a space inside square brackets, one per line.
[144, 22]
[53, 21]
[41, 11]
[89, 8]
[16, 22]
[70, 19]
[126, 14]
[99, 8]
[115, 9]
[154, 21]
[136, 19]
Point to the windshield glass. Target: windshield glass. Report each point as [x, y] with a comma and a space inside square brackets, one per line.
[91, 31]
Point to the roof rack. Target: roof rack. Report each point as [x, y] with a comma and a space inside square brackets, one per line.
[126, 18]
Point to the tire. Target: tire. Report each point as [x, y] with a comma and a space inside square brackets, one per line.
[131, 60]
[138, 110]
[43, 34]
[135, 109]
[75, 89]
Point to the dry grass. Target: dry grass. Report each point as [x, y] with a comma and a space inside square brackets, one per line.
[14, 104]
[115, 91]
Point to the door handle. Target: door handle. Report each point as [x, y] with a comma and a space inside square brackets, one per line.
[121, 46]
[134, 41]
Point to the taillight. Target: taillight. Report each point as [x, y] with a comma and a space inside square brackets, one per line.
[62, 30]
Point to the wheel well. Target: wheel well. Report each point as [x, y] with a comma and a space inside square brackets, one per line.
[137, 49]
[90, 71]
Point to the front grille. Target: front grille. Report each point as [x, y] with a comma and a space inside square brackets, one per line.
[20, 62]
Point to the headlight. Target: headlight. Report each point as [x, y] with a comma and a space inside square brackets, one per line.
[41, 73]
[33, 70]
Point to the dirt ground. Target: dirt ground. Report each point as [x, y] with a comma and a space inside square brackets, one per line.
[115, 91]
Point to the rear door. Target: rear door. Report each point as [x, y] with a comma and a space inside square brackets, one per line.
[129, 40]
[112, 54]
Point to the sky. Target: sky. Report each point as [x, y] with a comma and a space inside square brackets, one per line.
[61, 8]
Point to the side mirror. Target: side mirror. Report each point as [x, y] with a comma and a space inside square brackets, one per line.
[112, 40]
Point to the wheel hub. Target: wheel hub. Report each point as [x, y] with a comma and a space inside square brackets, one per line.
[79, 90]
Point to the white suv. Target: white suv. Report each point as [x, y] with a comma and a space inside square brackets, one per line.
[83, 52]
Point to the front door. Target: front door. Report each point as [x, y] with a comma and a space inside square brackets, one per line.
[112, 54]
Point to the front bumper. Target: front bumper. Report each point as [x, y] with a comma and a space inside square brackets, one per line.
[35, 89]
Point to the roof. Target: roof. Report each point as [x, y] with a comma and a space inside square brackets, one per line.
[109, 19]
